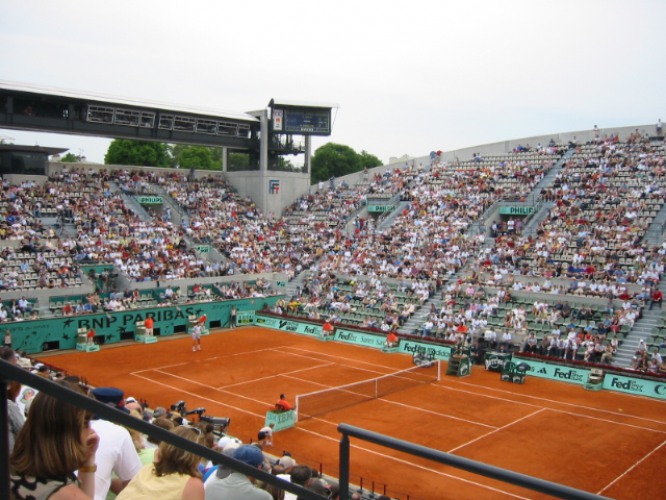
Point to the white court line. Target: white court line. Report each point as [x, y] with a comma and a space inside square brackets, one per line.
[285, 374]
[349, 361]
[411, 407]
[444, 415]
[473, 393]
[356, 361]
[496, 430]
[374, 372]
[570, 404]
[311, 381]
[563, 411]
[211, 358]
[161, 367]
[407, 462]
[322, 436]
[630, 469]
[200, 396]
[213, 388]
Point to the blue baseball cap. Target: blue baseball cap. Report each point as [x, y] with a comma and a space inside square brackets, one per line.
[249, 454]
[108, 395]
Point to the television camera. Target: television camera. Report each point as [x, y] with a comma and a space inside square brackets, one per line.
[181, 408]
[220, 424]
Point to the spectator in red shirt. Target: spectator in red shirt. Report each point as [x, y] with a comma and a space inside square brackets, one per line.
[67, 309]
[328, 328]
[283, 404]
[149, 324]
[392, 340]
[657, 297]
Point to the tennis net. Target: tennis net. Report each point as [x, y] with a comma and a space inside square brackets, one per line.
[323, 401]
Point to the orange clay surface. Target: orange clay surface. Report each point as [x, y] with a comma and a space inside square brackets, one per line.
[603, 442]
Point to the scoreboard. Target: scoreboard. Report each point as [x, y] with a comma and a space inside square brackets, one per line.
[301, 120]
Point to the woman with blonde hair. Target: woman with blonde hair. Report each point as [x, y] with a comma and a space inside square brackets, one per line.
[55, 441]
[174, 475]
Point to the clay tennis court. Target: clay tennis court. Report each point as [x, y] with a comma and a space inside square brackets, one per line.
[603, 442]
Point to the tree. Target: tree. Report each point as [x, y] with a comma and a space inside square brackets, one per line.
[140, 153]
[199, 157]
[283, 164]
[335, 160]
[241, 161]
[369, 161]
[70, 158]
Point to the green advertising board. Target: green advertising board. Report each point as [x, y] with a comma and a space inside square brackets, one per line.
[534, 367]
[554, 371]
[281, 420]
[288, 325]
[150, 200]
[635, 386]
[36, 336]
[245, 317]
[495, 361]
[203, 248]
[430, 350]
[378, 209]
[360, 338]
[516, 210]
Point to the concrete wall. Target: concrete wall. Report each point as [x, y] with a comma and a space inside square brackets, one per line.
[260, 187]
[579, 136]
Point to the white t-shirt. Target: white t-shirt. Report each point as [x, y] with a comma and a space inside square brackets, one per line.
[287, 495]
[115, 453]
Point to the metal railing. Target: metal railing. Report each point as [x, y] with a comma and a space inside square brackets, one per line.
[9, 372]
[466, 464]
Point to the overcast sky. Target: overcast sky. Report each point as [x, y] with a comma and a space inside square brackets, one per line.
[408, 76]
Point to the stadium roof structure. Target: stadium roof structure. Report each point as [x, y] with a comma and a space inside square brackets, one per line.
[303, 104]
[143, 103]
[32, 149]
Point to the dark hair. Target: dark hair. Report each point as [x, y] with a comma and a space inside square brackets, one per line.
[300, 474]
[49, 444]
[319, 487]
[7, 353]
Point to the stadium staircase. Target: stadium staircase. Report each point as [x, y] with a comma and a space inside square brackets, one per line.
[388, 220]
[131, 203]
[179, 216]
[645, 328]
[413, 324]
[293, 288]
[648, 325]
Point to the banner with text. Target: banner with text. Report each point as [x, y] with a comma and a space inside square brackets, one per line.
[535, 367]
[430, 350]
[554, 371]
[360, 338]
[635, 386]
[288, 325]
